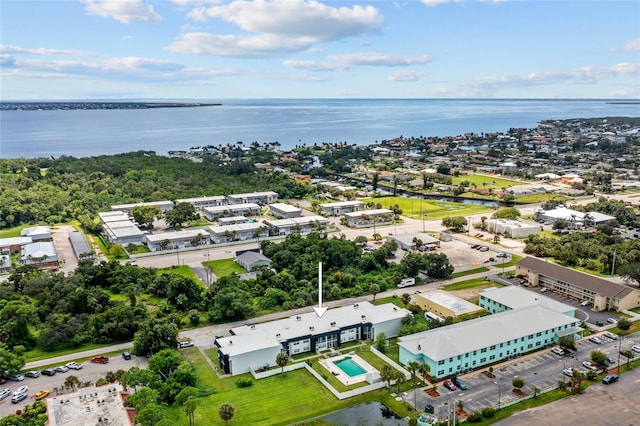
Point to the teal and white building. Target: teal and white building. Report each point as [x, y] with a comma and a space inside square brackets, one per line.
[483, 341]
[499, 299]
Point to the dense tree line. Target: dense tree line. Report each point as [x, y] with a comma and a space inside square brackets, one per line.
[47, 190]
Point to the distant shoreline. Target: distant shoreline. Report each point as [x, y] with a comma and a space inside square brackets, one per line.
[36, 106]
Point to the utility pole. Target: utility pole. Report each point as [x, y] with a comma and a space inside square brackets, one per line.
[613, 263]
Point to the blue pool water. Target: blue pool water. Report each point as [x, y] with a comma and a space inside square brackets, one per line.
[350, 367]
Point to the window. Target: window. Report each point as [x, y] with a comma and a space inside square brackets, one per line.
[530, 345]
[441, 362]
[466, 355]
[538, 334]
[537, 343]
[450, 369]
[441, 373]
[492, 357]
[458, 357]
[475, 352]
[483, 350]
[501, 344]
[483, 360]
[492, 347]
[530, 336]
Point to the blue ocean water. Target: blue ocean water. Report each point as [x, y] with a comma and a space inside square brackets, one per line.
[291, 122]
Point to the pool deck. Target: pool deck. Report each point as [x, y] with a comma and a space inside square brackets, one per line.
[344, 378]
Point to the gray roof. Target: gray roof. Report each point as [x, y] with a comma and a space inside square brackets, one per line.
[251, 258]
[468, 336]
[44, 249]
[577, 279]
[249, 338]
[79, 243]
[407, 239]
[517, 297]
[15, 241]
[186, 234]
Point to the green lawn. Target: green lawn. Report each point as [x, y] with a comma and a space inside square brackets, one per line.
[12, 232]
[476, 282]
[487, 181]
[514, 259]
[38, 354]
[183, 270]
[413, 208]
[224, 267]
[469, 272]
[278, 400]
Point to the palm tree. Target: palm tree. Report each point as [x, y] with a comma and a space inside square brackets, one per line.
[627, 353]
[424, 370]
[400, 379]
[71, 382]
[387, 374]
[282, 359]
[226, 412]
[413, 367]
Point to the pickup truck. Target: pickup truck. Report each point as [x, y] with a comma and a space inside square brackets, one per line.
[100, 359]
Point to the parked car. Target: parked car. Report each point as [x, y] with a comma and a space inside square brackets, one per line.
[62, 369]
[610, 378]
[21, 389]
[596, 340]
[74, 365]
[41, 395]
[475, 246]
[100, 359]
[612, 320]
[502, 254]
[461, 384]
[557, 350]
[449, 385]
[484, 248]
[610, 335]
[126, 355]
[584, 303]
[33, 374]
[17, 398]
[4, 393]
[568, 372]
[589, 365]
[185, 344]
[17, 377]
[49, 372]
[636, 348]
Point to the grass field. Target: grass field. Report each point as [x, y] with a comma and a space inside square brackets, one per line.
[183, 270]
[488, 181]
[224, 267]
[474, 283]
[12, 232]
[414, 208]
[277, 400]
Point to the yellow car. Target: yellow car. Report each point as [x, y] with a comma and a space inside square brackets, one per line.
[41, 395]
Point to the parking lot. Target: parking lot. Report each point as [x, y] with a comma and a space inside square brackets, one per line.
[542, 370]
[463, 257]
[89, 372]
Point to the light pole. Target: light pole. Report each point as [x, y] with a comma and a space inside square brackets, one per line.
[499, 395]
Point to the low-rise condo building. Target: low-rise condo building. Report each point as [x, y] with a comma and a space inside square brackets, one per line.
[302, 225]
[261, 198]
[340, 208]
[120, 229]
[284, 211]
[177, 240]
[203, 202]
[239, 232]
[248, 209]
[369, 218]
[499, 299]
[128, 208]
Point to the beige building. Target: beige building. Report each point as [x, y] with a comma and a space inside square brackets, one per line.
[445, 304]
[599, 293]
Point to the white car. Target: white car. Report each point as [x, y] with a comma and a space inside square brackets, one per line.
[610, 335]
[4, 393]
[568, 372]
[558, 351]
[612, 320]
[636, 348]
[21, 389]
[74, 365]
[589, 365]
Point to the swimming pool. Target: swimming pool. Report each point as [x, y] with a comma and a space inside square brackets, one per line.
[350, 367]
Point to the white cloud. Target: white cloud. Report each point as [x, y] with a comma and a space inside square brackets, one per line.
[277, 27]
[406, 75]
[381, 59]
[18, 50]
[314, 65]
[264, 45]
[633, 45]
[434, 2]
[124, 11]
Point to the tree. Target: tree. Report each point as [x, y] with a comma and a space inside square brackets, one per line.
[624, 324]
[145, 215]
[630, 271]
[165, 362]
[10, 362]
[437, 265]
[154, 336]
[424, 370]
[576, 380]
[412, 263]
[567, 342]
[181, 212]
[413, 367]
[455, 223]
[506, 213]
[560, 224]
[71, 382]
[374, 289]
[151, 415]
[599, 359]
[360, 240]
[627, 353]
[517, 383]
[406, 298]
[282, 359]
[387, 374]
[190, 406]
[443, 169]
[381, 342]
[226, 412]
[400, 379]
[142, 398]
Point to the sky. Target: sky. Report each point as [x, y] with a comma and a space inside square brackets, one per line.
[238, 49]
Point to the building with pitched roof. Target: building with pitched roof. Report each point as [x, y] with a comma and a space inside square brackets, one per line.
[251, 260]
[128, 208]
[472, 344]
[600, 293]
[177, 240]
[255, 346]
[247, 209]
[37, 233]
[499, 299]
[13, 244]
[41, 254]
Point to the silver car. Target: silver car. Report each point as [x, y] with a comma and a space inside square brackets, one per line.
[4, 393]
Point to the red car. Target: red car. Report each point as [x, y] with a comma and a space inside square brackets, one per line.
[100, 359]
[449, 385]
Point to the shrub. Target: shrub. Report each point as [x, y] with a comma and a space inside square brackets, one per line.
[102, 381]
[488, 412]
[244, 382]
[475, 417]
[591, 375]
